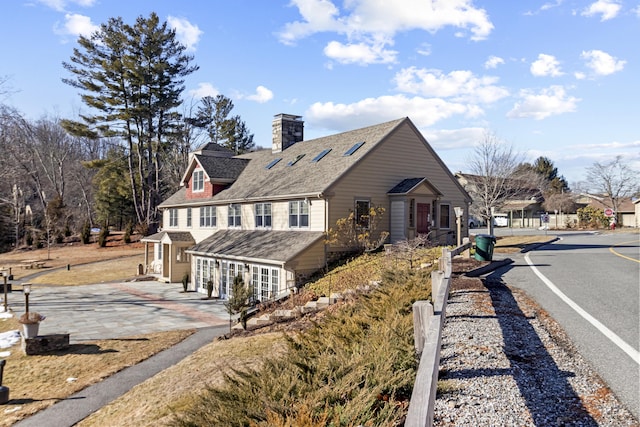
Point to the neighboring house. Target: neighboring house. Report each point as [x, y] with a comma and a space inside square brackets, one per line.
[523, 211]
[626, 214]
[264, 215]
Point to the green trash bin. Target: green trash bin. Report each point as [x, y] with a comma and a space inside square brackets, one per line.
[484, 247]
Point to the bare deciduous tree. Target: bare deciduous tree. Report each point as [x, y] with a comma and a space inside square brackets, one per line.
[614, 179]
[497, 177]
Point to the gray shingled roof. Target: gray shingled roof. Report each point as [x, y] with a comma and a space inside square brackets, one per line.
[301, 179]
[257, 244]
[222, 168]
[212, 146]
[406, 185]
[175, 236]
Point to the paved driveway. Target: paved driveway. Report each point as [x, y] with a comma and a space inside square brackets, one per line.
[116, 310]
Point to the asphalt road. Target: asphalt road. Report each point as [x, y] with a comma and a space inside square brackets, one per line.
[590, 284]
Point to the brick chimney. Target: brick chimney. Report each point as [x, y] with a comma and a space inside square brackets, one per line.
[287, 130]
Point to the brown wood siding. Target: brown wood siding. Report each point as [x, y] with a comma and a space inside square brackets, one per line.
[402, 155]
[310, 260]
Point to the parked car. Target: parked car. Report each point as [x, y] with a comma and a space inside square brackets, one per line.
[501, 220]
[475, 222]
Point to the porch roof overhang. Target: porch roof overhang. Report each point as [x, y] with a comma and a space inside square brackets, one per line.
[169, 237]
[409, 185]
[520, 206]
[259, 245]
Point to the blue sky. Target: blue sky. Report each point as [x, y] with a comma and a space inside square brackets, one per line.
[558, 79]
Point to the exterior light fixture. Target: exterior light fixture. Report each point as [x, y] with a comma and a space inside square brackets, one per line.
[26, 290]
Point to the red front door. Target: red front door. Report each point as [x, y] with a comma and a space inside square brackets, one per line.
[423, 217]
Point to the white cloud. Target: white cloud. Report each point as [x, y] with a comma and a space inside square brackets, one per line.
[493, 62]
[424, 49]
[187, 33]
[452, 139]
[76, 25]
[60, 5]
[261, 96]
[601, 63]
[548, 102]
[423, 111]
[546, 65]
[375, 23]
[462, 86]
[204, 89]
[359, 53]
[607, 8]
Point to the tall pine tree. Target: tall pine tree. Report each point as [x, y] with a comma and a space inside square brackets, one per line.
[132, 77]
[230, 132]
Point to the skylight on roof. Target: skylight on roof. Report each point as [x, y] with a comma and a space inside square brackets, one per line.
[273, 162]
[321, 155]
[353, 149]
[296, 160]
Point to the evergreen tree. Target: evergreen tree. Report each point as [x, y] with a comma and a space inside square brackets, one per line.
[230, 132]
[113, 196]
[555, 183]
[132, 77]
[238, 302]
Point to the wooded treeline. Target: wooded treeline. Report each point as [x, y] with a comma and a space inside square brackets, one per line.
[111, 166]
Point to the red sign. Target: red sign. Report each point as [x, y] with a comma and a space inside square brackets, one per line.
[608, 212]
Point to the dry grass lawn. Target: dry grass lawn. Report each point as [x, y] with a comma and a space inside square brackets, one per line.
[37, 382]
[154, 402]
[512, 244]
[73, 254]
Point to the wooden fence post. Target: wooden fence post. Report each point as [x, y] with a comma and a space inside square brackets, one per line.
[437, 279]
[422, 312]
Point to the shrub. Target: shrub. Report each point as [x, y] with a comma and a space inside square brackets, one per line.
[103, 236]
[592, 217]
[85, 233]
[126, 238]
[28, 239]
[185, 281]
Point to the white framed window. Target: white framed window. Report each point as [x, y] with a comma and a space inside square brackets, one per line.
[412, 208]
[445, 215]
[198, 180]
[189, 217]
[363, 214]
[182, 256]
[235, 216]
[299, 214]
[205, 271]
[208, 216]
[265, 282]
[263, 215]
[275, 282]
[229, 271]
[173, 217]
[255, 282]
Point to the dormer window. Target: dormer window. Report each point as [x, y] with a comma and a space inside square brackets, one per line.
[198, 180]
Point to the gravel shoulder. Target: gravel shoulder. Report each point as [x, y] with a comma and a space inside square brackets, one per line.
[504, 361]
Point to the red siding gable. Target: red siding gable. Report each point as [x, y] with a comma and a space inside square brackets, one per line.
[210, 189]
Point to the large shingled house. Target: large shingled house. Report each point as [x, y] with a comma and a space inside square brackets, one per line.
[264, 214]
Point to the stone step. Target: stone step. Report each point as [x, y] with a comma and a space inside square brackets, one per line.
[309, 307]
